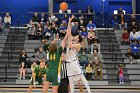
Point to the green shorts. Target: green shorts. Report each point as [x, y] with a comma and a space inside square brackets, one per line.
[38, 79]
[52, 77]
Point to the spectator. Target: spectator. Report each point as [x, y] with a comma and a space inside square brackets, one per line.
[52, 18]
[135, 49]
[46, 46]
[122, 23]
[7, 20]
[81, 24]
[22, 70]
[84, 33]
[84, 45]
[23, 56]
[89, 11]
[98, 69]
[30, 24]
[35, 18]
[39, 32]
[32, 32]
[47, 30]
[133, 18]
[121, 81]
[1, 26]
[62, 29]
[114, 22]
[120, 11]
[96, 44]
[41, 55]
[91, 35]
[54, 28]
[89, 72]
[134, 35]
[97, 56]
[130, 55]
[83, 59]
[65, 18]
[125, 37]
[134, 26]
[43, 18]
[91, 25]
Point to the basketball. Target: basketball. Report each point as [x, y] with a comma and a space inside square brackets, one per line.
[63, 6]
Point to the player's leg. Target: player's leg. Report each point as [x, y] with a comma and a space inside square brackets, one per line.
[85, 83]
[71, 83]
[55, 88]
[80, 86]
[46, 87]
[30, 89]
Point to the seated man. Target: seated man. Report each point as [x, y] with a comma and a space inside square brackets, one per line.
[7, 20]
[83, 59]
[98, 69]
[125, 37]
[130, 55]
[135, 49]
[91, 25]
[134, 35]
[41, 55]
[32, 32]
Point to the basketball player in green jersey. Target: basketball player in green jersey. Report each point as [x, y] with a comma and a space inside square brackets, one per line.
[39, 75]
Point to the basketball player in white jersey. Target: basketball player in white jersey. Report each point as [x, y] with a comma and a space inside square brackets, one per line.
[73, 68]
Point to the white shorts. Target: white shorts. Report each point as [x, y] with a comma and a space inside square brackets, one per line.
[73, 69]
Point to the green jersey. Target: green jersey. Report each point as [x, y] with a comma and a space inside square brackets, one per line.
[55, 58]
[40, 72]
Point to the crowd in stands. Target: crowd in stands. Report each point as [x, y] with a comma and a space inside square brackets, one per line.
[47, 28]
[130, 33]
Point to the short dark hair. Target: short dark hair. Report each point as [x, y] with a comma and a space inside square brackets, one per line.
[80, 38]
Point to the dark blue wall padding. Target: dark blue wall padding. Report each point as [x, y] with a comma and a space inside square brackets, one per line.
[20, 9]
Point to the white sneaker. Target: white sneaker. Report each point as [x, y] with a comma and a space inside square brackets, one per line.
[23, 77]
[131, 62]
[120, 83]
[20, 78]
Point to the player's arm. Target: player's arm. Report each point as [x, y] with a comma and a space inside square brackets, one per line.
[34, 78]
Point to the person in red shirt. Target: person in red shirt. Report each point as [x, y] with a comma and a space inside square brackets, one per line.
[125, 37]
[121, 74]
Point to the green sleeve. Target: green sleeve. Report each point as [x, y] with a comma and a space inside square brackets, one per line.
[35, 71]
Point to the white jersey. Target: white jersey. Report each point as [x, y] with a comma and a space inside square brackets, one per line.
[73, 67]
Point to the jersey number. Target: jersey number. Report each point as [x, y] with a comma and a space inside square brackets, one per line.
[52, 57]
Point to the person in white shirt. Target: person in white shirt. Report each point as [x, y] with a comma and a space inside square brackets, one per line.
[7, 20]
[134, 35]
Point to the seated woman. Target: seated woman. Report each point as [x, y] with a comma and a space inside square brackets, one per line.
[89, 71]
[91, 35]
[23, 56]
[22, 70]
